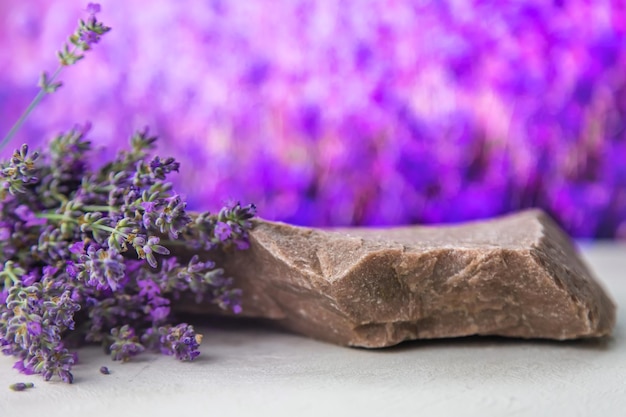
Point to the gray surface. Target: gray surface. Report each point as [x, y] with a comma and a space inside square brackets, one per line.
[244, 370]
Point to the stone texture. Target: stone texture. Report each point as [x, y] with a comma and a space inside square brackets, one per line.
[515, 276]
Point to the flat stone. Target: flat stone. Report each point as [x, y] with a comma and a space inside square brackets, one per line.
[514, 276]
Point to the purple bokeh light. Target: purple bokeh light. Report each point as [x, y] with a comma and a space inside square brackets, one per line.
[336, 113]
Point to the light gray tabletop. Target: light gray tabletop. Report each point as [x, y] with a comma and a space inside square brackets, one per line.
[250, 370]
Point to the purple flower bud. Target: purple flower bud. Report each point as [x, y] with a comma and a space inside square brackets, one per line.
[125, 345]
[89, 38]
[28, 217]
[93, 8]
[159, 314]
[148, 288]
[29, 279]
[222, 231]
[23, 368]
[21, 386]
[105, 267]
[71, 269]
[149, 206]
[34, 328]
[5, 233]
[76, 296]
[78, 248]
[146, 250]
[66, 376]
[49, 271]
[180, 341]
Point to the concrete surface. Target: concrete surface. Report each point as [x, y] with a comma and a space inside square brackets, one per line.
[251, 370]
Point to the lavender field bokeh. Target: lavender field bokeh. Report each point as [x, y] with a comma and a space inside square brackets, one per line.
[378, 112]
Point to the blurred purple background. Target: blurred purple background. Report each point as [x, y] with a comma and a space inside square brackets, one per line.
[333, 112]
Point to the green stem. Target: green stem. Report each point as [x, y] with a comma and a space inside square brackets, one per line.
[56, 216]
[28, 110]
[10, 279]
[98, 208]
[109, 229]
[9, 275]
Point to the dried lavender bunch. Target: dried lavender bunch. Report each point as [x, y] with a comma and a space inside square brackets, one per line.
[85, 255]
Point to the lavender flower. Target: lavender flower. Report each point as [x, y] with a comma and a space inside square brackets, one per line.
[69, 250]
[69, 236]
[83, 38]
[181, 341]
[222, 231]
[160, 168]
[126, 344]
[148, 288]
[147, 249]
[228, 229]
[17, 174]
[28, 217]
[21, 386]
[103, 269]
[88, 33]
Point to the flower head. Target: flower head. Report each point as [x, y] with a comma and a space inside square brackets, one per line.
[89, 37]
[34, 328]
[181, 341]
[222, 231]
[93, 8]
[67, 232]
[148, 288]
[78, 248]
[126, 344]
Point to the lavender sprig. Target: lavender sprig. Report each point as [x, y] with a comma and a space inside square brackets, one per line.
[84, 254]
[87, 34]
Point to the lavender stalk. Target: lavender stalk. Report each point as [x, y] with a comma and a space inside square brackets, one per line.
[86, 35]
[85, 254]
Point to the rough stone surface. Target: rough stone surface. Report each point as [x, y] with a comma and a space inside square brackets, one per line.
[515, 276]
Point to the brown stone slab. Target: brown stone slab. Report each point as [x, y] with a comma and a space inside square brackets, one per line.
[515, 276]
